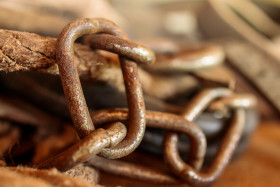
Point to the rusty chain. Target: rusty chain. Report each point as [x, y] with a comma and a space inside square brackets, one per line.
[73, 90]
[191, 174]
[120, 131]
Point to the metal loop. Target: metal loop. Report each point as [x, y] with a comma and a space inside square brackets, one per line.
[245, 101]
[164, 121]
[201, 101]
[189, 60]
[224, 154]
[73, 90]
[128, 49]
[192, 110]
[86, 148]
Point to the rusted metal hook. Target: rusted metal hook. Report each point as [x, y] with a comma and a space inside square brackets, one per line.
[73, 90]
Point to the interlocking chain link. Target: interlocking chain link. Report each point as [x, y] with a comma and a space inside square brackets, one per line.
[189, 173]
[73, 90]
[116, 141]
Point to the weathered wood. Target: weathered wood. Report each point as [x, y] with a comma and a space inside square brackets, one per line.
[22, 51]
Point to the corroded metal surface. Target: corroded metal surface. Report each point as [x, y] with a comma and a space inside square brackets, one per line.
[68, 71]
[188, 172]
[189, 60]
[162, 120]
[73, 90]
[123, 47]
[192, 110]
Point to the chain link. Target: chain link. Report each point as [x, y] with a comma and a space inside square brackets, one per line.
[73, 90]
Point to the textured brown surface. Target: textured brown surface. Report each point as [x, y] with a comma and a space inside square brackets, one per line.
[86, 173]
[21, 177]
[27, 51]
